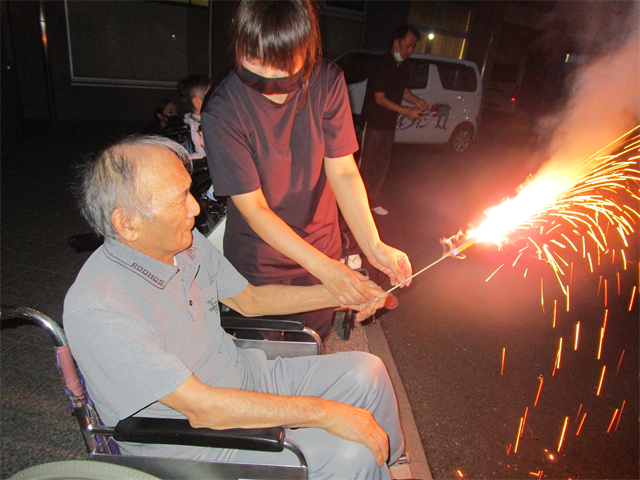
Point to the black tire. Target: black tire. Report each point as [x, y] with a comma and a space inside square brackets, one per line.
[460, 139]
[81, 470]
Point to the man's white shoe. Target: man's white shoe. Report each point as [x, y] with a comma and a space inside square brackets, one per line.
[380, 210]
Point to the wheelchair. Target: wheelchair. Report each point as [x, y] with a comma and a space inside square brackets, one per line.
[100, 440]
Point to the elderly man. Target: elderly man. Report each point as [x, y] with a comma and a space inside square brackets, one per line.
[143, 323]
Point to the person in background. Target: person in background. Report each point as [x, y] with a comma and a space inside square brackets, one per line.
[279, 138]
[193, 90]
[164, 113]
[387, 87]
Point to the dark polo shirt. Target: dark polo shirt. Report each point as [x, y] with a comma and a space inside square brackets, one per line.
[253, 143]
[391, 78]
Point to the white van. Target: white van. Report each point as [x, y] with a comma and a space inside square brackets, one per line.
[451, 87]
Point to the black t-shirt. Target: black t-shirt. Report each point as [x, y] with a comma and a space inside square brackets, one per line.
[252, 143]
[392, 78]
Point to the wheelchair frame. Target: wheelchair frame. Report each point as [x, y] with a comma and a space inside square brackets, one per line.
[98, 438]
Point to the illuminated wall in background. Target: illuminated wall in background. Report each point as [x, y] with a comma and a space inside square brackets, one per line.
[449, 25]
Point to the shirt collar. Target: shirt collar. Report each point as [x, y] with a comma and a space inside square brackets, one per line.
[153, 271]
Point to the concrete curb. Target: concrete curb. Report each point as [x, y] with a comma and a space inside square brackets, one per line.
[378, 346]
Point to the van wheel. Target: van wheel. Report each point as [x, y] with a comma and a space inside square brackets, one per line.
[460, 139]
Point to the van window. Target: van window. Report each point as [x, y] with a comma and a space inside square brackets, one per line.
[419, 73]
[455, 76]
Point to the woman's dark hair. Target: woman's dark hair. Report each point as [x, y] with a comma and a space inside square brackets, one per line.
[160, 106]
[279, 34]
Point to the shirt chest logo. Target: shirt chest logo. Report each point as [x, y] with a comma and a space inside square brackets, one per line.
[213, 305]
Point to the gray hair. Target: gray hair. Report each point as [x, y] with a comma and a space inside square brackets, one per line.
[110, 181]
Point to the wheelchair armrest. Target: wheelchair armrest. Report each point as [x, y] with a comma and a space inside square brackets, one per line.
[233, 320]
[179, 432]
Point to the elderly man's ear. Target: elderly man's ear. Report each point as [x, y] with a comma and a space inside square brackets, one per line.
[125, 224]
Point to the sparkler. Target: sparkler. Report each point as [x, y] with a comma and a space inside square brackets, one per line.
[579, 196]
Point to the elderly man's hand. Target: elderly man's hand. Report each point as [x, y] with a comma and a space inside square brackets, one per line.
[358, 425]
[381, 299]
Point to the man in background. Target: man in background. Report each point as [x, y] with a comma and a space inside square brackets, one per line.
[387, 87]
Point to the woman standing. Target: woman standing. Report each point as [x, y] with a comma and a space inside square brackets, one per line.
[279, 138]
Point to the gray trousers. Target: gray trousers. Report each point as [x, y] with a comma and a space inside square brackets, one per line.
[355, 378]
[377, 146]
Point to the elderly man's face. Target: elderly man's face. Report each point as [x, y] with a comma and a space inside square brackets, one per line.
[168, 182]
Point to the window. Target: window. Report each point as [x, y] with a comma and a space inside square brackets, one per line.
[136, 43]
[419, 76]
[444, 26]
[457, 77]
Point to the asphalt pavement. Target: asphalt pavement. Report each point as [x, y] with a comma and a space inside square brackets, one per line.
[480, 416]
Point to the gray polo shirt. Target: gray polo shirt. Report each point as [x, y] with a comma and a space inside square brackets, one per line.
[138, 328]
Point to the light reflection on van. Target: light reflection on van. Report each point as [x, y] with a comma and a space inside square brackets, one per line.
[451, 88]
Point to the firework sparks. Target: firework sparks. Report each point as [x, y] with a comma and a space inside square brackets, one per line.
[604, 368]
[633, 294]
[564, 429]
[555, 313]
[575, 344]
[620, 416]
[515, 448]
[539, 390]
[613, 419]
[580, 197]
[502, 367]
[620, 362]
[584, 416]
[600, 343]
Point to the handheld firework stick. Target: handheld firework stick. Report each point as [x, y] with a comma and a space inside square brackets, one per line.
[453, 253]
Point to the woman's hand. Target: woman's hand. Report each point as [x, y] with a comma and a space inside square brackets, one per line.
[392, 262]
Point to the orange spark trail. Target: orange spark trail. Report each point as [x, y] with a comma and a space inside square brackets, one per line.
[613, 419]
[494, 273]
[604, 368]
[515, 448]
[618, 275]
[503, 354]
[555, 311]
[564, 428]
[581, 423]
[599, 285]
[571, 275]
[542, 294]
[575, 345]
[600, 343]
[459, 473]
[624, 260]
[539, 390]
[606, 293]
[620, 416]
[524, 420]
[568, 298]
[633, 294]
[578, 414]
[620, 362]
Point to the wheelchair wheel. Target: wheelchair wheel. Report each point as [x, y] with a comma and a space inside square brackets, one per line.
[81, 470]
[347, 324]
[211, 211]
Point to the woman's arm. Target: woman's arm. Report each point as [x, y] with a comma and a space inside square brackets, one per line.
[346, 182]
[335, 276]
